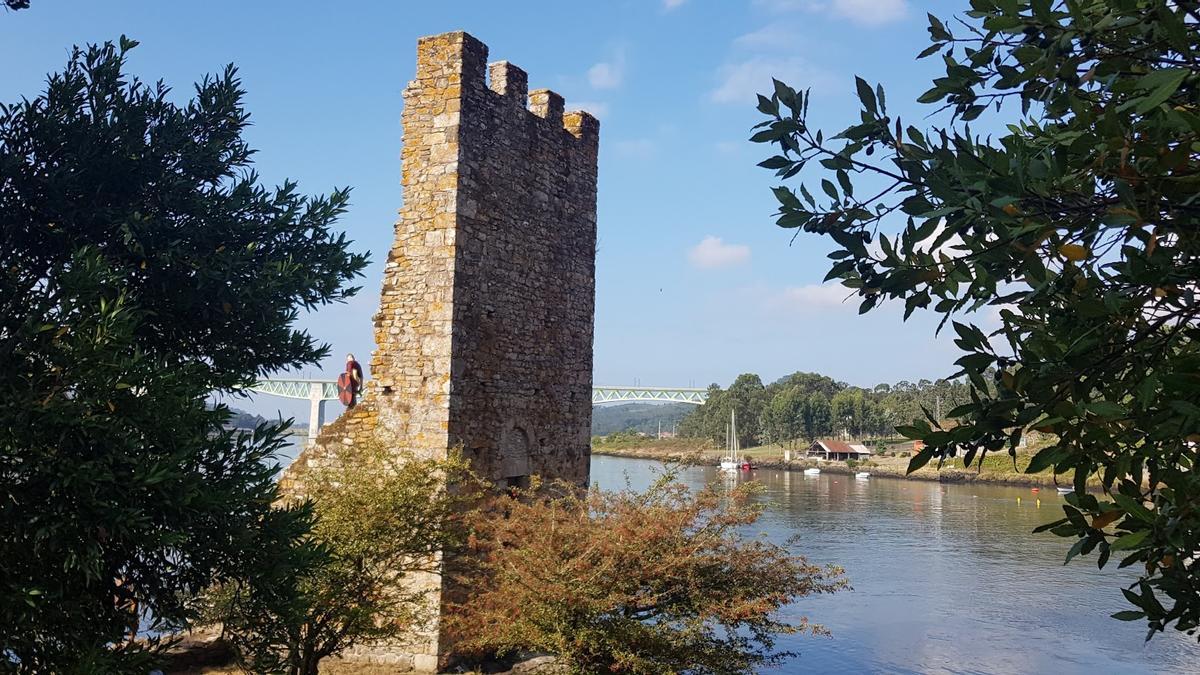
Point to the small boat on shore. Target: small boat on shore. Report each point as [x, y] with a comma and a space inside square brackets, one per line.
[812, 472]
[862, 474]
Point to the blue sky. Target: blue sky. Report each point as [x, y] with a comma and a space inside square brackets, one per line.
[694, 282]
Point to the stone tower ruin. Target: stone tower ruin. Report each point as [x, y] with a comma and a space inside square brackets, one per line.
[484, 329]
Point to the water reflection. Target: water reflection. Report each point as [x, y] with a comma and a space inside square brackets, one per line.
[947, 579]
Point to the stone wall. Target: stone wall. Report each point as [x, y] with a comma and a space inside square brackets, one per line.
[484, 330]
[525, 268]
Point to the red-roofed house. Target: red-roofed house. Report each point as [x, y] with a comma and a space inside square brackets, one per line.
[838, 451]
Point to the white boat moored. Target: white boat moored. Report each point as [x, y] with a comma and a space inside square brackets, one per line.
[863, 474]
[812, 472]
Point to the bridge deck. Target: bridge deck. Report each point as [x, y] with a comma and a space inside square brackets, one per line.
[326, 390]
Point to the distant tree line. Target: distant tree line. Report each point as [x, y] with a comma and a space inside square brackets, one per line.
[646, 418]
[802, 407]
[240, 419]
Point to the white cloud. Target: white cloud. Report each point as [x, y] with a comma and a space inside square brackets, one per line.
[812, 297]
[729, 147]
[598, 109]
[781, 6]
[739, 81]
[672, 4]
[870, 12]
[604, 76]
[640, 148]
[948, 248]
[772, 36]
[712, 252]
[608, 74]
[863, 12]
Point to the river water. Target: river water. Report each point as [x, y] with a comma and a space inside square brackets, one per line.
[946, 579]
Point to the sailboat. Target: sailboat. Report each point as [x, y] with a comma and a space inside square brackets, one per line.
[730, 462]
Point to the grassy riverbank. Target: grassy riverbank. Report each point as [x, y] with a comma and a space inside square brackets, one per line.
[999, 469]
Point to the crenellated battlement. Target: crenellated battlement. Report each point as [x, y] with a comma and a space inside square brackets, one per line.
[509, 81]
[581, 124]
[455, 63]
[547, 105]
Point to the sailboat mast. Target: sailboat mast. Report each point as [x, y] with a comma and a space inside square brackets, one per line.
[733, 433]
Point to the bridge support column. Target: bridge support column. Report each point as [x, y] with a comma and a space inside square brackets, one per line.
[316, 411]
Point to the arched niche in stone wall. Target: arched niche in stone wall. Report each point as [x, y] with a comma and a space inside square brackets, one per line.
[514, 454]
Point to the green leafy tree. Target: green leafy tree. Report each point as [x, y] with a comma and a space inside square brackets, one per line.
[629, 582]
[1075, 222]
[709, 420]
[772, 425]
[808, 383]
[142, 267]
[786, 413]
[818, 419]
[857, 412]
[847, 408]
[748, 397]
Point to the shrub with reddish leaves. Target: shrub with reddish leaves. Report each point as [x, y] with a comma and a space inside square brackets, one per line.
[631, 582]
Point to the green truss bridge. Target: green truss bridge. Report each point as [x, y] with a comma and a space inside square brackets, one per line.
[317, 392]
